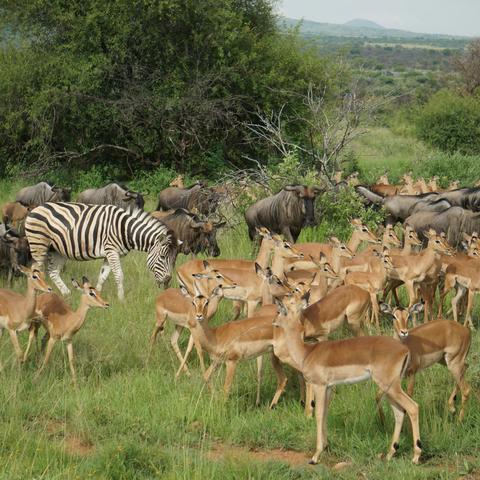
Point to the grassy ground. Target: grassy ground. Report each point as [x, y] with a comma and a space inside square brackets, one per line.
[130, 419]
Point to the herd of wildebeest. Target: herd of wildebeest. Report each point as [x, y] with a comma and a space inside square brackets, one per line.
[293, 296]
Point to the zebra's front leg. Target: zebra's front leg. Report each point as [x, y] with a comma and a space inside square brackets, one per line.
[54, 267]
[104, 273]
[113, 259]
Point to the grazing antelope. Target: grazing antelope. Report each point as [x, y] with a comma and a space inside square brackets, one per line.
[238, 340]
[373, 282]
[17, 311]
[176, 306]
[62, 323]
[326, 364]
[438, 341]
[383, 179]
[361, 233]
[422, 268]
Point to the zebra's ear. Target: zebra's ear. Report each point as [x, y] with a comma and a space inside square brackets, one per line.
[76, 285]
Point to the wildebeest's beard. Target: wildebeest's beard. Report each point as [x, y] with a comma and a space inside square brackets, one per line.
[309, 212]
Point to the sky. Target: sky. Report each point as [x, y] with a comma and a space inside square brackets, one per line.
[454, 17]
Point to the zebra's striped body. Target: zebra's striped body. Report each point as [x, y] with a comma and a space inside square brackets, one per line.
[84, 232]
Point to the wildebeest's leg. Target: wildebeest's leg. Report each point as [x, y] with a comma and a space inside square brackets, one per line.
[104, 273]
[287, 235]
[113, 259]
[55, 265]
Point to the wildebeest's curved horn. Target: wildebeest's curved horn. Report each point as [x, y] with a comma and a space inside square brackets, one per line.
[219, 224]
[197, 224]
[131, 194]
[318, 189]
[290, 188]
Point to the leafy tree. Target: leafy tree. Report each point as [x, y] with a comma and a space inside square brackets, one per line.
[143, 83]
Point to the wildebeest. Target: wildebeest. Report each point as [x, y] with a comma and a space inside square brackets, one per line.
[14, 251]
[468, 198]
[454, 221]
[195, 198]
[42, 193]
[286, 212]
[112, 194]
[197, 235]
[399, 207]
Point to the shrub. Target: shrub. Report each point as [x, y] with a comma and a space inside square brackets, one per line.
[451, 123]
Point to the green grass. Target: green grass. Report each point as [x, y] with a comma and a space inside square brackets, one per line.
[130, 419]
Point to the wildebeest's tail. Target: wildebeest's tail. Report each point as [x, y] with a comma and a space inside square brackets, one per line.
[372, 197]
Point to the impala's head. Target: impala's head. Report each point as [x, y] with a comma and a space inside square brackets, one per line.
[341, 248]
[363, 232]
[286, 249]
[411, 237]
[390, 237]
[209, 279]
[276, 287]
[438, 243]
[289, 310]
[400, 317]
[36, 278]
[200, 307]
[91, 294]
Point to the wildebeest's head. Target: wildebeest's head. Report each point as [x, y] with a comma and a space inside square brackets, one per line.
[60, 194]
[307, 194]
[136, 198]
[18, 249]
[207, 241]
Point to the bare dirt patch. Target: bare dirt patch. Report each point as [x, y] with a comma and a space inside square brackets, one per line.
[73, 443]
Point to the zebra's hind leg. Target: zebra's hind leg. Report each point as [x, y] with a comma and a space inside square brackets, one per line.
[104, 273]
[113, 259]
[55, 265]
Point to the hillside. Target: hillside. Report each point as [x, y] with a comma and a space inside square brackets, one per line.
[363, 23]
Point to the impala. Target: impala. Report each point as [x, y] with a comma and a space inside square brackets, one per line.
[439, 341]
[62, 323]
[326, 364]
[17, 311]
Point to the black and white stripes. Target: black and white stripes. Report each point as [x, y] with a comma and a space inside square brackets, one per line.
[83, 232]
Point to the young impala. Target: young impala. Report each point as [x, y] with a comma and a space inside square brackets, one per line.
[326, 364]
[17, 311]
[438, 341]
[62, 323]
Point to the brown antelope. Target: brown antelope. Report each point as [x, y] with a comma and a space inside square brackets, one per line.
[345, 303]
[330, 363]
[373, 282]
[432, 184]
[454, 185]
[177, 182]
[383, 179]
[62, 323]
[238, 340]
[361, 233]
[17, 311]
[438, 341]
[420, 268]
[173, 304]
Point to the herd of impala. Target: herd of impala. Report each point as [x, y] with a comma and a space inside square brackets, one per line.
[294, 297]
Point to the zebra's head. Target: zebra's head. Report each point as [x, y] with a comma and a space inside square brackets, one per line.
[161, 257]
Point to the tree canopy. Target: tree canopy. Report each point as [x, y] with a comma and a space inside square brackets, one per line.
[142, 83]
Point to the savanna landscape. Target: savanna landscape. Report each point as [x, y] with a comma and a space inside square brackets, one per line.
[230, 94]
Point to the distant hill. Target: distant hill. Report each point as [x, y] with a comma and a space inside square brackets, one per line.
[361, 28]
[362, 23]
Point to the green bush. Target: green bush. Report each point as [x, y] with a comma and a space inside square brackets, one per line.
[451, 123]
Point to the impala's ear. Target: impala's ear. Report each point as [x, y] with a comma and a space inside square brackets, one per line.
[305, 299]
[206, 265]
[184, 291]
[76, 285]
[386, 308]
[259, 270]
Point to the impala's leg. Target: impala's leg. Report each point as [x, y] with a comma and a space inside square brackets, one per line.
[321, 408]
[378, 400]
[16, 345]
[410, 385]
[70, 361]
[1, 335]
[468, 315]
[259, 378]
[185, 357]
[281, 379]
[301, 383]
[159, 327]
[113, 259]
[375, 310]
[412, 297]
[402, 403]
[457, 369]
[231, 367]
[50, 344]
[32, 333]
[237, 309]
[460, 292]
[104, 273]
[176, 349]
[309, 399]
[54, 267]
[208, 374]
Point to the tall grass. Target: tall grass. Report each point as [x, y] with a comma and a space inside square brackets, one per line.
[130, 418]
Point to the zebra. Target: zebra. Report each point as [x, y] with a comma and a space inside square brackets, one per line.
[66, 230]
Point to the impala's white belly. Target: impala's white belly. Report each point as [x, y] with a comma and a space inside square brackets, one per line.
[3, 322]
[350, 380]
